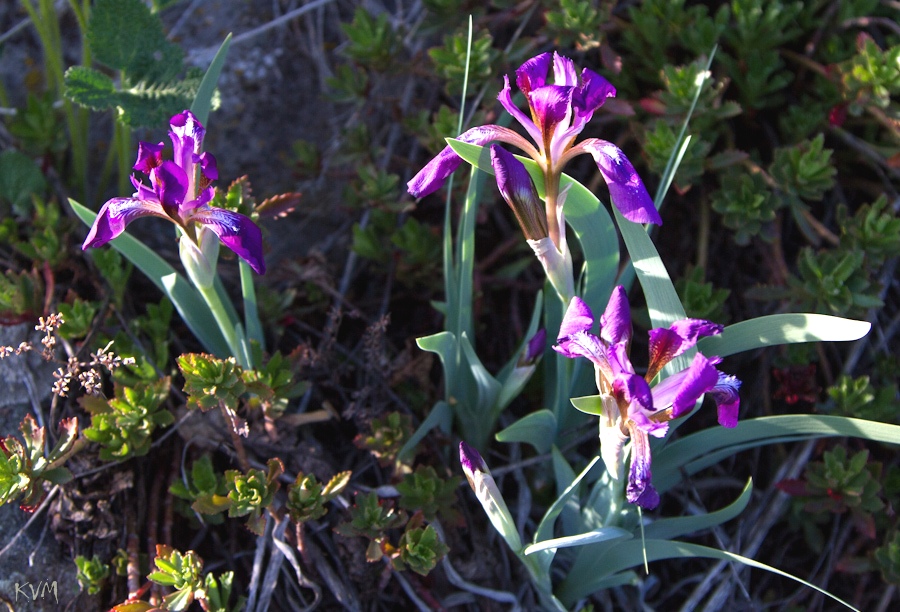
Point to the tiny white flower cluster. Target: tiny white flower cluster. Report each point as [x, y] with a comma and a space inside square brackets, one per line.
[86, 373]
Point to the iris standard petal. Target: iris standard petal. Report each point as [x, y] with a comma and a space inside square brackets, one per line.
[115, 215]
[518, 190]
[615, 323]
[208, 166]
[592, 93]
[236, 232]
[171, 185]
[506, 101]
[728, 401]
[564, 71]
[149, 156]
[431, 178]
[533, 73]
[633, 389]
[578, 318]
[626, 189]
[640, 489]
[551, 106]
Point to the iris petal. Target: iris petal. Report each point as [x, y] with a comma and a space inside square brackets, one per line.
[171, 185]
[115, 215]
[578, 318]
[533, 73]
[626, 189]
[640, 489]
[236, 232]
[518, 190]
[149, 156]
[431, 178]
[700, 377]
[725, 394]
[551, 106]
[564, 71]
[615, 323]
[506, 101]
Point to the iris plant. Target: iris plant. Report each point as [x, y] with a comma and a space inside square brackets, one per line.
[558, 112]
[181, 190]
[630, 406]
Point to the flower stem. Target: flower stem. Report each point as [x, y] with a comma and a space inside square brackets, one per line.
[226, 325]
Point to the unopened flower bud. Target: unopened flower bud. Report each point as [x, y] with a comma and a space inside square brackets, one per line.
[518, 190]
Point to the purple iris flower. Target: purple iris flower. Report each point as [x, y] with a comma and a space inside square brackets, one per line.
[558, 112]
[180, 190]
[631, 407]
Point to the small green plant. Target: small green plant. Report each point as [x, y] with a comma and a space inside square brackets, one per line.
[419, 549]
[372, 518]
[306, 497]
[372, 42]
[839, 484]
[210, 382]
[252, 493]
[24, 468]
[79, 315]
[205, 489]
[124, 425]
[888, 559]
[701, 300]
[424, 491]
[450, 62]
[859, 398]
[182, 572]
[92, 573]
[388, 436]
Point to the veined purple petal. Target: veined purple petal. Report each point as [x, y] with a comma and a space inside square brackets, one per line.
[615, 323]
[694, 329]
[142, 192]
[592, 93]
[701, 376]
[431, 178]
[626, 189]
[149, 156]
[115, 215]
[208, 166]
[518, 190]
[640, 489]
[667, 344]
[578, 318]
[533, 73]
[728, 402]
[171, 185]
[618, 357]
[551, 106]
[184, 146]
[506, 101]
[664, 345]
[584, 344]
[236, 232]
[633, 389]
[564, 72]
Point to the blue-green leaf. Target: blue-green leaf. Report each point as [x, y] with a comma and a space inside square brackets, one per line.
[203, 101]
[537, 429]
[777, 329]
